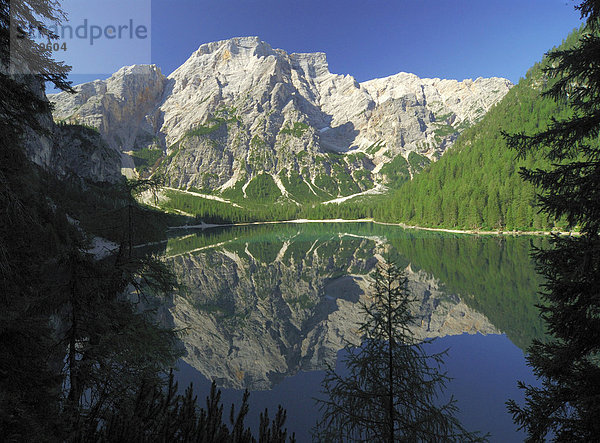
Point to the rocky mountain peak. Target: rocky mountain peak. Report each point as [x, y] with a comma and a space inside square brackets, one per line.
[313, 64]
[239, 108]
[225, 55]
[242, 46]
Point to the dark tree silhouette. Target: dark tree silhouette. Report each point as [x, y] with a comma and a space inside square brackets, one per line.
[567, 405]
[155, 414]
[391, 391]
[29, 384]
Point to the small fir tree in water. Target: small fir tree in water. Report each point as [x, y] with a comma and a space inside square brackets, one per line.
[391, 390]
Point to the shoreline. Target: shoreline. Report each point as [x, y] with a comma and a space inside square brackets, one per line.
[368, 220]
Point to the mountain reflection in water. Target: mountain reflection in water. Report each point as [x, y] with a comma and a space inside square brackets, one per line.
[264, 302]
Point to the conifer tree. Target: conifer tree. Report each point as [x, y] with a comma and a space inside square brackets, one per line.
[155, 414]
[391, 390]
[567, 404]
[30, 234]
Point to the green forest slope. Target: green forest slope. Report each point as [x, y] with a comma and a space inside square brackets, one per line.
[476, 183]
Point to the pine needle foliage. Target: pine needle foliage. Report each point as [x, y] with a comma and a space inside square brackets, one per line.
[157, 414]
[566, 407]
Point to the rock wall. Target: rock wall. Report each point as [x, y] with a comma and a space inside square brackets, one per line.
[238, 108]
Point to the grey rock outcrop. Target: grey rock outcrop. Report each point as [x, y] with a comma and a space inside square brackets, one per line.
[122, 108]
[81, 151]
[238, 108]
[66, 150]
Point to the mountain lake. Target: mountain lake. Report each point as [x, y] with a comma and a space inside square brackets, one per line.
[268, 307]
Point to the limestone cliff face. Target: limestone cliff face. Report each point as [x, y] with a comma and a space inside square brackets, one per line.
[238, 108]
[67, 150]
[426, 115]
[256, 312]
[121, 108]
[81, 151]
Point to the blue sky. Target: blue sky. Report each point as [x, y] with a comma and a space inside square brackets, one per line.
[375, 38]
[372, 38]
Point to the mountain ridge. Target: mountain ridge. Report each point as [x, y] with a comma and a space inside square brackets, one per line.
[239, 113]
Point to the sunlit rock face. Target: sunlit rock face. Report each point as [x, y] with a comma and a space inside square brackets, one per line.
[238, 107]
[121, 108]
[256, 311]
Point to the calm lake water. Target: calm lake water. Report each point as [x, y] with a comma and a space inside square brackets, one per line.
[268, 307]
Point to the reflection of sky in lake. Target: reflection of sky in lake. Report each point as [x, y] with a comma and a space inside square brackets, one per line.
[485, 370]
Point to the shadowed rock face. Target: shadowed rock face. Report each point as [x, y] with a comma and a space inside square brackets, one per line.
[82, 152]
[64, 150]
[256, 311]
[238, 107]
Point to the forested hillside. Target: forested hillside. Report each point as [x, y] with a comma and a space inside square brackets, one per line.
[476, 184]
